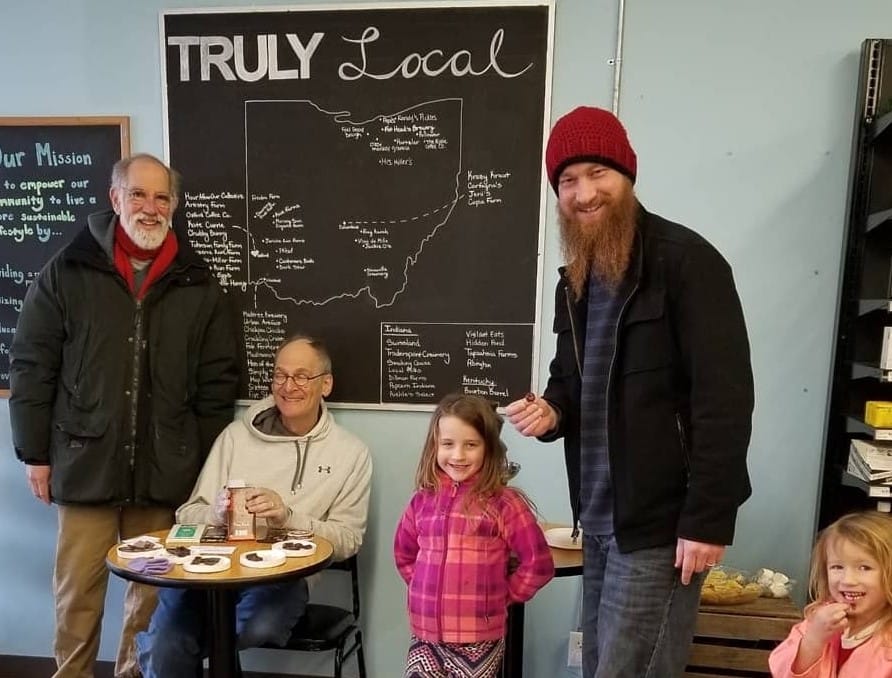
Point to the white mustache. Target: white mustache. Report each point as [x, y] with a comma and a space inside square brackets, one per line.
[142, 216]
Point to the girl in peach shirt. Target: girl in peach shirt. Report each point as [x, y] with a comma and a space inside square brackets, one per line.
[847, 632]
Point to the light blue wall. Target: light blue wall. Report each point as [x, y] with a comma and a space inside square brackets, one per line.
[741, 113]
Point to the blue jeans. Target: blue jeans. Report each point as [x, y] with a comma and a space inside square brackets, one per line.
[637, 617]
[174, 645]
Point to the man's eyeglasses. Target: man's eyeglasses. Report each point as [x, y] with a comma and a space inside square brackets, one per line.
[301, 380]
[138, 197]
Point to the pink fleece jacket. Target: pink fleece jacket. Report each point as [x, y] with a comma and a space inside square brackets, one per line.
[456, 565]
[870, 660]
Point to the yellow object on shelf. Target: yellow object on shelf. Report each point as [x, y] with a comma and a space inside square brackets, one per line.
[878, 413]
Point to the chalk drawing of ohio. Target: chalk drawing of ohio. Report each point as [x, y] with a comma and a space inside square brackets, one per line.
[340, 208]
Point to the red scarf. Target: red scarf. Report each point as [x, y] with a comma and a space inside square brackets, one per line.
[161, 257]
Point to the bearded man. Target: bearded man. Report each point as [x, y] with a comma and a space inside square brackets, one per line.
[123, 370]
[651, 389]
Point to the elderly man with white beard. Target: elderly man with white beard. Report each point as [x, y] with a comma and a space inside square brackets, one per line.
[124, 370]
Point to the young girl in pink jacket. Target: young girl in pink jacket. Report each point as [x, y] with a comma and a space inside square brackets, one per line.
[453, 544]
[847, 632]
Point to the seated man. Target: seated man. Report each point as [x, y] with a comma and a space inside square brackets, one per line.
[306, 472]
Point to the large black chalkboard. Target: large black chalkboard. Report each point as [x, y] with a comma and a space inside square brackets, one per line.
[53, 173]
[371, 176]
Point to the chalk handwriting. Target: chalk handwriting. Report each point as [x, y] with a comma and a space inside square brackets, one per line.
[219, 50]
[431, 64]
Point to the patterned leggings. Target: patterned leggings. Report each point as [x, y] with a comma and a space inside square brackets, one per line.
[454, 660]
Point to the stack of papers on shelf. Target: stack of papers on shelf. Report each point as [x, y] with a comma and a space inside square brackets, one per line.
[874, 454]
[878, 489]
[886, 351]
[871, 460]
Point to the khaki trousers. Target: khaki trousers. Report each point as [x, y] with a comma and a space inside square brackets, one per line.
[80, 580]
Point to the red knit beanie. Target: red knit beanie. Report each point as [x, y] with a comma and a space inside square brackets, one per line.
[588, 134]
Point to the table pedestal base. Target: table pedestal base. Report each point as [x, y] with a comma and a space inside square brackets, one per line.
[512, 664]
[222, 651]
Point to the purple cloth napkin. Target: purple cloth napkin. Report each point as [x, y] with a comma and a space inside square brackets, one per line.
[150, 565]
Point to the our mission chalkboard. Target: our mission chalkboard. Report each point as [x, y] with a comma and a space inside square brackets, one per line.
[53, 173]
[371, 176]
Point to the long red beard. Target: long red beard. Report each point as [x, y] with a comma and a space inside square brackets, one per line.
[602, 249]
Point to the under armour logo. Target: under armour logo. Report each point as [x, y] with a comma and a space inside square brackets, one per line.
[327, 469]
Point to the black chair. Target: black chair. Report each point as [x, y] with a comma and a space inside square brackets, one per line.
[328, 627]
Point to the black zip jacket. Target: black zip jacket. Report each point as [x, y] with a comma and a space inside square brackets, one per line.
[122, 398]
[680, 392]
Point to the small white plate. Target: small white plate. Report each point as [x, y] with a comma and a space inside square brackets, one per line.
[222, 564]
[295, 553]
[267, 557]
[159, 549]
[560, 538]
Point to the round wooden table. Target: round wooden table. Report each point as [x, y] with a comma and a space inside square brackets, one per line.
[567, 563]
[220, 587]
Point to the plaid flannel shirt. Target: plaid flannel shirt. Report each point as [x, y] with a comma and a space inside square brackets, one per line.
[456, 565]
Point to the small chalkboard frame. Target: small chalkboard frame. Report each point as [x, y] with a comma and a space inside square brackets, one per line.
[122, 122]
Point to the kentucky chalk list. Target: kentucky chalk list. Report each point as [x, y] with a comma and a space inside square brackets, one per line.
[370, 176]
[53, 173]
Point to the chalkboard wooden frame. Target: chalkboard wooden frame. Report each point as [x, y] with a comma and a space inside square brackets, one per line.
[121, 122]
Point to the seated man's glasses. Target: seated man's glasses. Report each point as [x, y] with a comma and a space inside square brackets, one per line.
[301, 380]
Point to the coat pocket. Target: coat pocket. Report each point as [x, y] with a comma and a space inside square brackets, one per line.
[83, 425]
[80, 384]
[567, 362]
[647, 337]
[175, 463]
[85, 467]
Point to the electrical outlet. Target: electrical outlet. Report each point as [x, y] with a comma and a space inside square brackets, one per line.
[574, 649]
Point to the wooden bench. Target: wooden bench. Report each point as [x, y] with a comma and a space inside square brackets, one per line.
[735, 640]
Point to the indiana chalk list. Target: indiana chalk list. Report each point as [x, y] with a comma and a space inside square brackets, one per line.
[53, 173]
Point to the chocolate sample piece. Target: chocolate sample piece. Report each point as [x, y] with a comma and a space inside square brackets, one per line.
[139, 546]
[295, 546]
[201, 560]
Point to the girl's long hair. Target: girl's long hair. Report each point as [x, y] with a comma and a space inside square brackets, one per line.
[481, 415]
[870, 531]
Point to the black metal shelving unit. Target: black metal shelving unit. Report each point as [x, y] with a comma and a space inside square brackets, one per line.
[865, 302]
